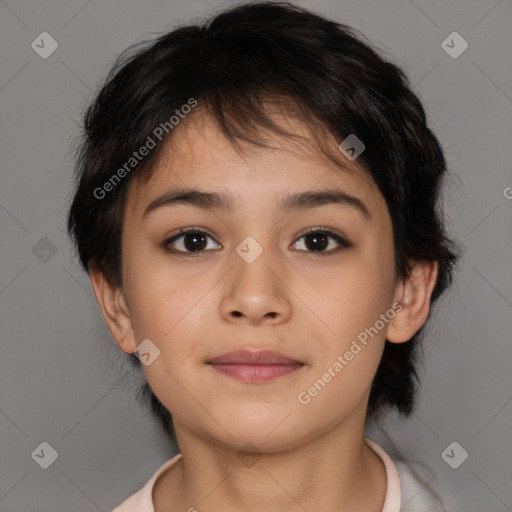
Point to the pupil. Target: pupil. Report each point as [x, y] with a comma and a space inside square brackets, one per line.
[315, 237]
[198, 241]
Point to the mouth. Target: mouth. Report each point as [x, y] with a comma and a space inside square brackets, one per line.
[254, 366]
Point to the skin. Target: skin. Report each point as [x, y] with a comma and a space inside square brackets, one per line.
[290, 299]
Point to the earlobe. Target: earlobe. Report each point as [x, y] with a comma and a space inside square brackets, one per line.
[414, 295]
[114, 310]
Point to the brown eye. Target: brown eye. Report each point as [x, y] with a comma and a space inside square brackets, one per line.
[319, 240]
[188, 241]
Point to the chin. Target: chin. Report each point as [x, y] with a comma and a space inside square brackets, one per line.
[263, 431]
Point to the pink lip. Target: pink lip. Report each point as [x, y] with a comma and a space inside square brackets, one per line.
[250, 366]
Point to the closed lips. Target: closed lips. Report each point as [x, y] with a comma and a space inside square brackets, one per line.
[246, 357]
[255, 367]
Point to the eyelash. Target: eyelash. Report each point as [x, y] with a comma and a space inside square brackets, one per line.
[343, 243]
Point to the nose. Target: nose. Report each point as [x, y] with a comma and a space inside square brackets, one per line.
[256, 292]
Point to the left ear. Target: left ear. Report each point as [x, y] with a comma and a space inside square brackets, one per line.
[414, 294]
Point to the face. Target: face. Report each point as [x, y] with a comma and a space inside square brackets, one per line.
[251, 280]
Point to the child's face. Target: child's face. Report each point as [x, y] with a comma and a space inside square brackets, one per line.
[307, 306]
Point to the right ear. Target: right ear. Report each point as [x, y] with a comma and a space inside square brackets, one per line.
[114, 310]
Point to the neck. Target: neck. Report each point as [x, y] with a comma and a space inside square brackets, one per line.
[335, 471]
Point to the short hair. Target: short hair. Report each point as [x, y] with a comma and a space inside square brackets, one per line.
[234, 64]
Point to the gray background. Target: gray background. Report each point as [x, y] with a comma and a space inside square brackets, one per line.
[60, 382]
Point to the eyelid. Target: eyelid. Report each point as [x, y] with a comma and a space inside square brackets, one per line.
[327, 230]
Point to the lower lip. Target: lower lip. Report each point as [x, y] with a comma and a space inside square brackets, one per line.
[256, 372]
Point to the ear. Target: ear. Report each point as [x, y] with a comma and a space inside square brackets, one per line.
[114, 310]
[414, 295]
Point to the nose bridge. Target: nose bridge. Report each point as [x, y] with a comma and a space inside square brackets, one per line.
[255, 287]
[255, 262]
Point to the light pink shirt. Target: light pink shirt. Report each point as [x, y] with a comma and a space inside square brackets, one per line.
[424, 501]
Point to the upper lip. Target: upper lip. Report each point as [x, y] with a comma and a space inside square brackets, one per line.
[259, 357]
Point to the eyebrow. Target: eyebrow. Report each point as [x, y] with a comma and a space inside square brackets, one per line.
[224, 202]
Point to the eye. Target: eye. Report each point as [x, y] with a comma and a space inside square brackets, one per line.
[188, 241]
[317, 240]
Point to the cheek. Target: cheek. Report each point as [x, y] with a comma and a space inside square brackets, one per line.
[346, 361]
[352, 299]
[169, 315]
[350, 303]
[155, 291]
[168, 306]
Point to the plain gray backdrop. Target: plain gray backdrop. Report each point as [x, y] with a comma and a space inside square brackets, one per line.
[60, 381]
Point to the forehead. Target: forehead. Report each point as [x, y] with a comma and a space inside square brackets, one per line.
[200, 156]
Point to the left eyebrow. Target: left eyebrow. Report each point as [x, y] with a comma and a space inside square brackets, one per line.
[291, 202]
